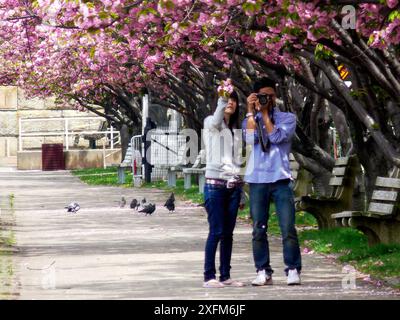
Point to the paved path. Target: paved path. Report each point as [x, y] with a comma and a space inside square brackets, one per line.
[104, 252]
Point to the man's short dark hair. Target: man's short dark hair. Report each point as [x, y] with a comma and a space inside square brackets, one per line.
[263, 83]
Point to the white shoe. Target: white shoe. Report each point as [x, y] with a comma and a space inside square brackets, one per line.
[213, 283]
[293, 277]
[262, 279]
[232, 283]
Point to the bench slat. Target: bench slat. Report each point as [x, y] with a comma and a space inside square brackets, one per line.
[346, 214]
[294, 165]
[378, 215]
[339, 171]
[387, 182]
[381, 207]
[384, 195]
[194, 170]
[342, 161]
[336, 181]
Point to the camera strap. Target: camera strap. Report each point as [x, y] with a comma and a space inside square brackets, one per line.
[264, 140]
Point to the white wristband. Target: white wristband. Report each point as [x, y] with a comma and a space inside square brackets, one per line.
[249, 114]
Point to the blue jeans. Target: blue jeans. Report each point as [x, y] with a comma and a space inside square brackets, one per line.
[261, 195]
[222, 206]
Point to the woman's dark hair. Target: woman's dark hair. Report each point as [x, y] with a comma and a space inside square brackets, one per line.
[263, 83]
[234, 118]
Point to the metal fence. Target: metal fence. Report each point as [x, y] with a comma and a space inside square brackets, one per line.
[65, 131]
[166, 150]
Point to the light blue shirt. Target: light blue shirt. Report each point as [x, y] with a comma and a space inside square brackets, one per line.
[274, 165]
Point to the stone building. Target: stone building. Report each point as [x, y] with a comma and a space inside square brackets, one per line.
[17, 114]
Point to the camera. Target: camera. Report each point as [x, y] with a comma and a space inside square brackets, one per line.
[264, 98]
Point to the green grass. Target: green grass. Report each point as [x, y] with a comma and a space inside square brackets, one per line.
[351, 246]
[100, 176]
[94, 171]
[191, 194]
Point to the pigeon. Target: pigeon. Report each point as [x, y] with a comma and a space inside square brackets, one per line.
[73, 207]
[122, 203]
[170, 203]
[143, 201]
[134, 204]
[149, 209]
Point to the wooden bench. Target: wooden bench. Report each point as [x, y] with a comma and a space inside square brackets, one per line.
[302, 178]
[340, 199]
[381, 222]
[196, 169]
[121, 172]
[174, 169]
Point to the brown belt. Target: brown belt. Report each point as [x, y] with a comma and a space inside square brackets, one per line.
[228, 184]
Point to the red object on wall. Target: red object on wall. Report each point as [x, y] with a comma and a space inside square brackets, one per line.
[53, 157]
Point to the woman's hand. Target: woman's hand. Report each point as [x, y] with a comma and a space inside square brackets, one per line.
[226, 88]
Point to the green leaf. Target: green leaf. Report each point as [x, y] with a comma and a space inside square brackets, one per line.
[167, 27]
[92, 52]
[103, 15]
[114, 15]
[168, 53]
[371, 39]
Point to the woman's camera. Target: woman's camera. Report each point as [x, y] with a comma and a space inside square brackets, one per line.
[264, 98]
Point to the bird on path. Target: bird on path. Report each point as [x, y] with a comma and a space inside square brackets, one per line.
[73, 207]
[143, 201]
[122, 202]
[149, 209]
[170, 203]
[134, 204]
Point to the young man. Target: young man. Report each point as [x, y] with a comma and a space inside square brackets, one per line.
[269, 177]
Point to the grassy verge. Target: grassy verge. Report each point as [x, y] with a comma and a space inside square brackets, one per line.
[191, 194]
[349, 245]
[100, 176]
[7, 243]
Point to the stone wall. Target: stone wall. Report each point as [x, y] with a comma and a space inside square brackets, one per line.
[74, 159]
[15, 105]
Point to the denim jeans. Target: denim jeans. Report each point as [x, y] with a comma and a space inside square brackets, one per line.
[222, 206]
[281, 193]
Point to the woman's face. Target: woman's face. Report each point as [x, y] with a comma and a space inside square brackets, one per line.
[231, 106]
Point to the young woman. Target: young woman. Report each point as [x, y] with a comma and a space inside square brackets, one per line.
[223, 188]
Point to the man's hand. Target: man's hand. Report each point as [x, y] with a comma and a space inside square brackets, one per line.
[252, 103]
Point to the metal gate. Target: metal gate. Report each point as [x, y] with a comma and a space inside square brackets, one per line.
[165, 150]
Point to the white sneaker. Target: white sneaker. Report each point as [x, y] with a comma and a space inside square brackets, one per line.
[213, 283]
[293, 277]
[262, 279]
[232, 283]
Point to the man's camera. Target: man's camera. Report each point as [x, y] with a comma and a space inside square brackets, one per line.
[264, 98]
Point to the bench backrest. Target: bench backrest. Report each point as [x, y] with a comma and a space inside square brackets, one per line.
[294, 166]
[385, 197]
[199, 159]
[302, 179]
[343, 174]
[182, 160]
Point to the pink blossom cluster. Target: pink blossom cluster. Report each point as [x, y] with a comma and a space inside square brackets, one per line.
[81, 48]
